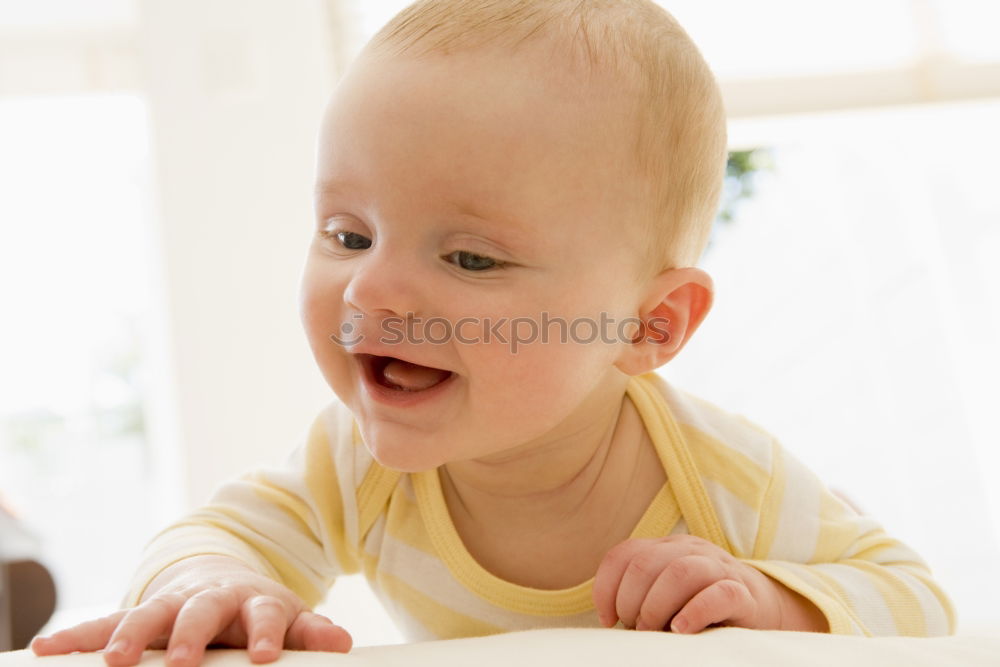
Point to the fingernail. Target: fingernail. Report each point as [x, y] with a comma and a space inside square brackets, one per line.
[678, 625]
[641, 625]
[179, 653]
[120, 646]
[264, 645]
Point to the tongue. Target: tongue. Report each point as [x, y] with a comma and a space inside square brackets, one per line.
[412, 377]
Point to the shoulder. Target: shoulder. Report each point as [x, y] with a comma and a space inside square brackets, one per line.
[365, 485]
[737, 462]
[334, 435]
[716, 436]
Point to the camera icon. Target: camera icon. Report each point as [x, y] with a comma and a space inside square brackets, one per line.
[349, 333]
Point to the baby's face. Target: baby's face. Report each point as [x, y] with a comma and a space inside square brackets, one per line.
[471, 189]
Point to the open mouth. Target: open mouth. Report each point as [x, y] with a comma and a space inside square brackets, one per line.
[400, 375]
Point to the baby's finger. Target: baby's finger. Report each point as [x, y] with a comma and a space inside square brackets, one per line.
[672, 580]
[142, 626]
[609, 575]
[725, 600]
[314, 632]
[265, 619]
[679, 576]
[680, 581]
[202, 617]
[87, 636]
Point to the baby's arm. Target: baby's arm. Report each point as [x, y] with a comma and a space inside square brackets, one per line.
[816, 564]
[865, 581]
[261, 554]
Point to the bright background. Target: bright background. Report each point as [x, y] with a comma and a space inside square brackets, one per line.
[155, 168]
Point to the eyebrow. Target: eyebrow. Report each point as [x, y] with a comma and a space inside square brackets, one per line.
[469, 211]
[330, 187]
[508, 231]
[465, 208]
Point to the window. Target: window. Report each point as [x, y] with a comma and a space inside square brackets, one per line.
[74, 453]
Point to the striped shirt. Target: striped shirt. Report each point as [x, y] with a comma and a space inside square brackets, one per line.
[333, 510]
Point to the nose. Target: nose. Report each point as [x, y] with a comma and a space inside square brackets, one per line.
[382, 283]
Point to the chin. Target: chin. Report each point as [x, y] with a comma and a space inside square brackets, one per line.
[405, 456]
[405, 464]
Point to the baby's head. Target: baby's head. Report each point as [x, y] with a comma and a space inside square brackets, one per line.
[632, 58]
[492, 172]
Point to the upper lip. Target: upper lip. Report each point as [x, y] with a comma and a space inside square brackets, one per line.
[359, 349]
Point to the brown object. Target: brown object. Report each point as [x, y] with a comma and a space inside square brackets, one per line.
[27, 591]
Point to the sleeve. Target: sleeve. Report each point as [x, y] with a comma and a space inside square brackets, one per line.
[296, 524]
[864, 581]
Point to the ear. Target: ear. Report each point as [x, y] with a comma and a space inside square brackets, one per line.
[677, 301]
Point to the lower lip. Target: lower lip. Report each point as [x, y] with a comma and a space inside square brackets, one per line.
[399, 398]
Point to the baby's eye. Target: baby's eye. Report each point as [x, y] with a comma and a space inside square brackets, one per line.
[353, 241]
[473, 262]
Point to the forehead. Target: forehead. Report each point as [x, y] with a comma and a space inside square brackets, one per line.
[487, 130]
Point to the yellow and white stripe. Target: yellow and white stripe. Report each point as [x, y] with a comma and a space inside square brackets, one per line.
[331, 509]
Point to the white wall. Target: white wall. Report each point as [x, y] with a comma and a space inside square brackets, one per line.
[235, 91]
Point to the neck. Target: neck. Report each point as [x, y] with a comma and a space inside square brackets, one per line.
[555, 476]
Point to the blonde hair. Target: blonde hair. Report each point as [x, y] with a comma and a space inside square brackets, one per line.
[680, 138]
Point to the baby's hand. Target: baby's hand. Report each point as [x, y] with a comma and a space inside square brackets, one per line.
[201, 601]
[685, 581]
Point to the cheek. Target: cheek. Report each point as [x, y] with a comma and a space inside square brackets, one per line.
[539, 381]
[321, 313]
[518, 398]
[320, 306]
[538, 345]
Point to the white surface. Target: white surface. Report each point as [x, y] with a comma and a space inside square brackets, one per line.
[600, 648]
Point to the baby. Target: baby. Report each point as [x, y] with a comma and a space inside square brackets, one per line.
[511, 198]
